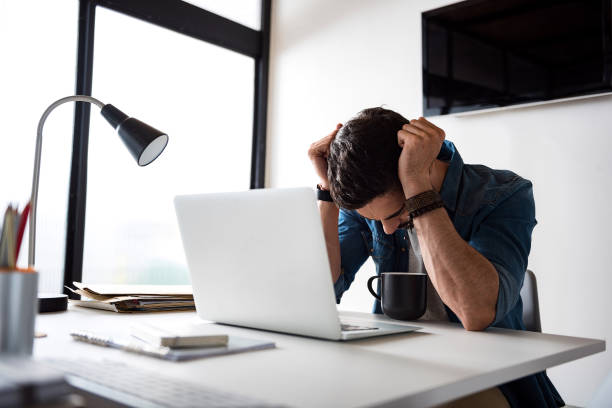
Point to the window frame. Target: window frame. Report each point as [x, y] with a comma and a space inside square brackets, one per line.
[183, 18]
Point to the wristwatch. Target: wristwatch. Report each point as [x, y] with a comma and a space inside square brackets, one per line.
[323, 195]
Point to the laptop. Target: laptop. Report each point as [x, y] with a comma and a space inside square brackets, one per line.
[258, 259]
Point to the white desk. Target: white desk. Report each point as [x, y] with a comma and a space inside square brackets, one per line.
[439, 363]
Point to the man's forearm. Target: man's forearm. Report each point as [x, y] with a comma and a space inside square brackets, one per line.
[465, 280]
[329, 218]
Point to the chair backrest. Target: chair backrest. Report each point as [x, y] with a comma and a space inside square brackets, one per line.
[531, 306]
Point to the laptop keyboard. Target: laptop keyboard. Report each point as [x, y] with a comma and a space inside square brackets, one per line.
[140, 388]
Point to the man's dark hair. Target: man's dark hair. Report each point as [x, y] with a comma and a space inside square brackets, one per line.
[362, 160]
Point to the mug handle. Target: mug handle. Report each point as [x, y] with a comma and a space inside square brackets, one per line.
[370, 286]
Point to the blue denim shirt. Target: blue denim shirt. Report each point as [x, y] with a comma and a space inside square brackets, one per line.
[493, 211]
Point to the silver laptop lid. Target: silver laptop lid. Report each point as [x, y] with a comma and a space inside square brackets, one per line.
[258, 259]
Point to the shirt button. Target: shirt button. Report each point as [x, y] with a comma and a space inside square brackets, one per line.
[372, 250]
[403, 249]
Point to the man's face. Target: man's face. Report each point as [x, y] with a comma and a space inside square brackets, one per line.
[388, 209]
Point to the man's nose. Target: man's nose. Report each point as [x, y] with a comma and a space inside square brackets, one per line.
[389, 226]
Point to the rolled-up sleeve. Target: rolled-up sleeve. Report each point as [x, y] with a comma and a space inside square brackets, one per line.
[504, 238]
[353, 251]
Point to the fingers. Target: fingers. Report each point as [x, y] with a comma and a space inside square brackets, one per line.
[320, 148]
[410, 130]
[338, 127]
[429, 130]
[333, 134]
[419, 129]
[432, 125]
[425, 124]
[423, 128]
[414, 130]
[403, 136]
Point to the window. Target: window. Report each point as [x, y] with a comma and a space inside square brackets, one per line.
[196, 75]
[199, 76]
[201, 95]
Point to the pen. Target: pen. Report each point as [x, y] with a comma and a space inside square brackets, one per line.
[130, 346]
[21, 228]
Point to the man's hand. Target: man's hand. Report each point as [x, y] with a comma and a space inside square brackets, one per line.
[421, 142]
[318, 152]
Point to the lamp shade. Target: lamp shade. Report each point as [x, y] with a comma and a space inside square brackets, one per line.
[144, 142]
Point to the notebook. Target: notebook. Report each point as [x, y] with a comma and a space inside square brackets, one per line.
[183, 336]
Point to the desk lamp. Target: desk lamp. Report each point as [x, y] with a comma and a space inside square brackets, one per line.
[144, 143]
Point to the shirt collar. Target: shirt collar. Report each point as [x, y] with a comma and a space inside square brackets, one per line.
[450, 185]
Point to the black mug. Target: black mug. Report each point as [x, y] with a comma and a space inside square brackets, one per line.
[403, 296]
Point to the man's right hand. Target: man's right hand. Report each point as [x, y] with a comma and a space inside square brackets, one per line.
[317, 153]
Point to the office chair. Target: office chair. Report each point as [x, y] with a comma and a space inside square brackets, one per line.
[531, 306]
[531, 318]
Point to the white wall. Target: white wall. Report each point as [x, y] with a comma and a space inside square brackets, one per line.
[331, 59]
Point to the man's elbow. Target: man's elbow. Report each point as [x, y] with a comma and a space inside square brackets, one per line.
[479, 320]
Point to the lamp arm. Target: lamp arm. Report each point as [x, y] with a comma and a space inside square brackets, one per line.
[34, 197]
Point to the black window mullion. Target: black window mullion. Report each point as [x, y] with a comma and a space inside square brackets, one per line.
[258, 153]
[75, 224]
[193, 21]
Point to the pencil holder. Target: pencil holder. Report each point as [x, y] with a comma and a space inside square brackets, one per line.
[18, 307]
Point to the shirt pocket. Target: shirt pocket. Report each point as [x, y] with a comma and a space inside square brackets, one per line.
[378, 247]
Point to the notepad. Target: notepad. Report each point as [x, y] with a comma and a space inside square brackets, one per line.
[177, 337]
[133, 345]
[234, 345]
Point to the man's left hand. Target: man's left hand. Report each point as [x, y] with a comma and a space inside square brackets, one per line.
[421, 142]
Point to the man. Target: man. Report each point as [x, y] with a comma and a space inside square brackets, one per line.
[470, 230]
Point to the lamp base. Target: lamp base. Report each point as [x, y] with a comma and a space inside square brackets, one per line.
[52, 302]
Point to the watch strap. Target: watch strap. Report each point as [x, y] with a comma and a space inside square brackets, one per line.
[323, 195]
[422, 203]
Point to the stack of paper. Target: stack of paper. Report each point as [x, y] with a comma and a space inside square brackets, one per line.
[134, 298]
